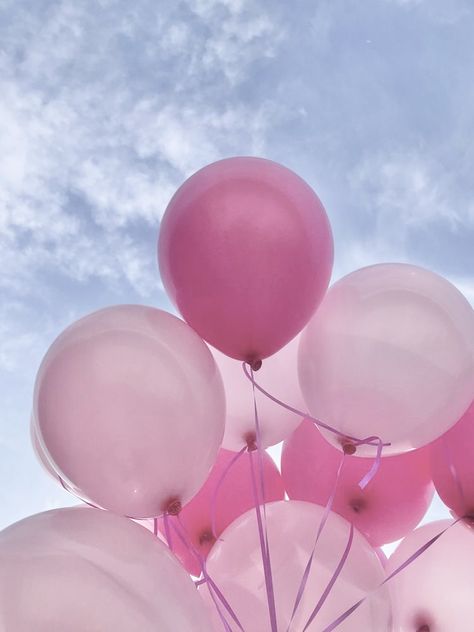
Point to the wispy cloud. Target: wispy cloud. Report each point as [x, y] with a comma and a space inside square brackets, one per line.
[98, 129]
[107, 106]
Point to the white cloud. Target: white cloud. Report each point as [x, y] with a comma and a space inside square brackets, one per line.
[91, 148]
[408, 186]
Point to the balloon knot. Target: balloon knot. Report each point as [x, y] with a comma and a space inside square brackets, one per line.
[357, 505]
[206, 537]
[255, 364]
[421, 623]
[251, 441]
[173, 507]
[348, 447]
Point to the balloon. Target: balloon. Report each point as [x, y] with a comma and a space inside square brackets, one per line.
[381, 555]
[278, 376]
[391, 505]
[85, 569]
[245, 252]
[235, 496]
[129, 407]
[390, 352]
[435, 591]
[39, 453]
[235, 566]
[453, 465]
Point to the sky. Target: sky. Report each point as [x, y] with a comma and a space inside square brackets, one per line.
[107, 106]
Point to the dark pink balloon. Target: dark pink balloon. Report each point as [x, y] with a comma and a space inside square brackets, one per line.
[453, 465]
[390, 506]
[245, 253]
[235, 497]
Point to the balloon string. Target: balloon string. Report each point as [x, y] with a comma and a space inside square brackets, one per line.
[264, 549]
[222, 477]
[262, 523]
[191, 549]
[372, 441]
[324, 518]
[155, 527]
[457, 481]
[199, 582]
[211, 585]
[166, 523]
[399, 569]
[333, 579]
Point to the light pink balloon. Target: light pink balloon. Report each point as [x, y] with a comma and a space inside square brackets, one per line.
[435, 591]
[235, 497]
[278, 376]
[129, 407]
[85, 569]
[381, 555]
[391, 505]
[390, 352]
[245, 253]
[39, 453]
[453, 465]
[235, 565]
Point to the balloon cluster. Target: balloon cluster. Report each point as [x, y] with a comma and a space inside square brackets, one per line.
[369, 383]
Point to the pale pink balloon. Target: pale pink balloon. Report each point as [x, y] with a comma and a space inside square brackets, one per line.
[453, 465]
[235, 565]
[390, 352]
[245, 252]
[381, 555]
[39, 453]
[235, 497]
[435, 591]
[391, 505]
[85, 569]
[129, 408]
[279, 376]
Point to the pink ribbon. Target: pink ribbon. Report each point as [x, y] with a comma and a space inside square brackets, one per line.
[324, 517]
[373, 440]
[400, 568]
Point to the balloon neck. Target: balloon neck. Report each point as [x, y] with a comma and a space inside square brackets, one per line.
[357, 505]
[421, 624]
[251, 441]
[468, 518]
[348, 447]
[206, 537]
[173, 507]
[255, 364]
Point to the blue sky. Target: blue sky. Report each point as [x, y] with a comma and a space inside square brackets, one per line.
[108, 105]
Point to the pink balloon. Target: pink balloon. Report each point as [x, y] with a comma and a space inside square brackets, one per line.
[453, 465]
[235, 566]
[129, 407]
[245, 253]
[391, 505]
[39, 453]
[85, 569]
[435, 591]
[381, 555]
[235, 497]
[390, 352]
[278, 376]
